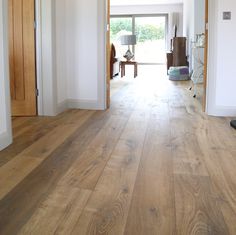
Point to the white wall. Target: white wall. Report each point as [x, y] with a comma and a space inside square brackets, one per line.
[146, 9]
[79, 52]
[5, 121]
[222, 50]
[83, 85]
[46, 57]
[61, 54]
[188, 19]
[174, 11]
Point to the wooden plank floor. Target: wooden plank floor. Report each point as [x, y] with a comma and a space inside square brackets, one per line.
[152, 164]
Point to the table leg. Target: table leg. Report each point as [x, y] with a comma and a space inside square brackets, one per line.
[135, 70]
[122, 70]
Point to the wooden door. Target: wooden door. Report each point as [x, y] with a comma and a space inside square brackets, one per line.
[22, 57]
[108, 50]
[205, 56]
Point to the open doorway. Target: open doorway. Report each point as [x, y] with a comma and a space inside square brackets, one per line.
[149, 51]
[22, 57]
[133, 21]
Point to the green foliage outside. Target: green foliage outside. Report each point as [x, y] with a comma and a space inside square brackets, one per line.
[149, 32]
[143, 32]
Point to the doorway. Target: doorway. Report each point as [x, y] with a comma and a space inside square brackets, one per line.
[130, 19]
[149, 52]
[22, 57]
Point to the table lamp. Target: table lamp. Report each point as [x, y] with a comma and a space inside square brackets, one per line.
[128, 40]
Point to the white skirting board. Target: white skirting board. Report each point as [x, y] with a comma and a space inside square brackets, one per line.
[5, 140]
[222, 111]
[85, 104]
[79, 104]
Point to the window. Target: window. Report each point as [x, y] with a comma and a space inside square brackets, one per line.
[151, 45]
[120, 26]
[151, 36]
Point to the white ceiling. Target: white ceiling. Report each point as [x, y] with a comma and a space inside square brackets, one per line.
[143, 2]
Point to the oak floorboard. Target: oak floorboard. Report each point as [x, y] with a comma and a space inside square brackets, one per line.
[37, 129]
[62, 206]
[16, 170]
[153, 163]
[220, 162]
[87, 169]
[193, 184]
[152, 210]
[187, 154]
[42, 180]
[54, 168]
[27, 125]
[17, 122]
[107, 209]
[215, 139]
[197, 210]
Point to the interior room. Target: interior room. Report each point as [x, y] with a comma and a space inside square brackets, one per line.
[117, 117]
[161, 47]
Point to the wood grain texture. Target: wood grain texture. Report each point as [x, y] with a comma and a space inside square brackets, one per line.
[64, 205]
[197, 211]
[30, 130]
[152, 209]
[22, 57]
[16, 170]
[107, 209]
[153, 163]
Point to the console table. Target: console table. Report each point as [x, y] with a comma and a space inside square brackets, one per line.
[124, 63]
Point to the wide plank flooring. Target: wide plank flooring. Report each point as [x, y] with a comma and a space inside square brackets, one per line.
[153, 164]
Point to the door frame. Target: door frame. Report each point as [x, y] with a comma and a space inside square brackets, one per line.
[108, 56]
[206, 56]
[46, 79]
[38, 57]
[205, 77]
[45, 57]
[5, 110]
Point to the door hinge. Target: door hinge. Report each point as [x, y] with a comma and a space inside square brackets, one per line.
[37, 92]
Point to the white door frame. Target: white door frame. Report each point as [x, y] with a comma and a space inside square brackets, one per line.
[5, 110]
[46, 57]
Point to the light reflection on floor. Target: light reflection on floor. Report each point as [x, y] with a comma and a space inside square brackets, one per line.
[152, 80]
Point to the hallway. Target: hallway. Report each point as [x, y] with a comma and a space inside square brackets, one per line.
[152, 164]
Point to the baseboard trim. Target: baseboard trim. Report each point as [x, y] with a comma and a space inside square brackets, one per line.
[62, 107]
[222, 111]
[5, 140]
[84, 104]
[79, 104]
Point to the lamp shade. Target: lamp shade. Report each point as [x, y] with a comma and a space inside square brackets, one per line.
[128, 39]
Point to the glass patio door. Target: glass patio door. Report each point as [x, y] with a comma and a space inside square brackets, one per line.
[151, 43]
[151, 36]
